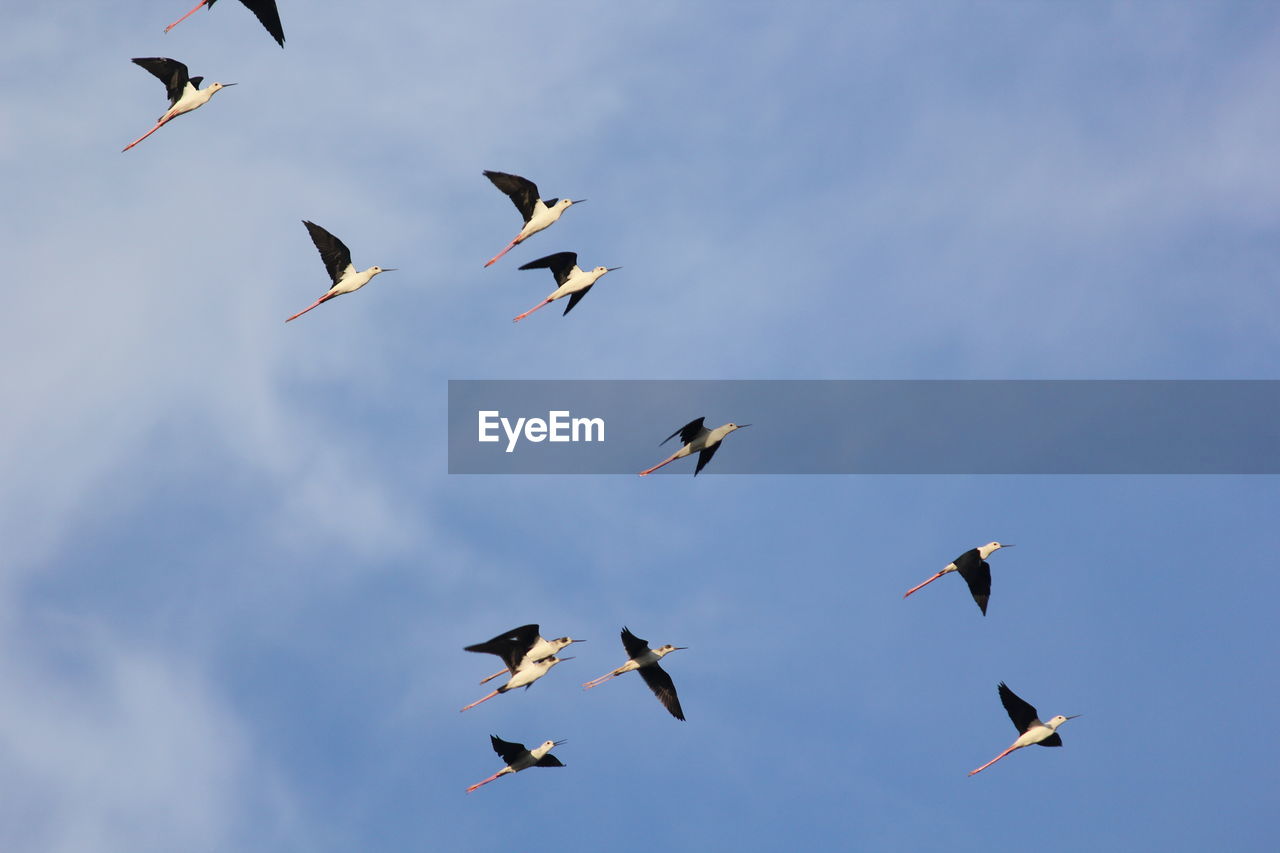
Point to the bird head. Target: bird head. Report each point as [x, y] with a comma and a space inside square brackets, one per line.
[990, 548]
[668, 649]
[213, 87]
[1059, 720]
[566, 641]
[375, 270]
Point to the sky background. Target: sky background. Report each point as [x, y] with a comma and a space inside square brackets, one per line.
[235, 577]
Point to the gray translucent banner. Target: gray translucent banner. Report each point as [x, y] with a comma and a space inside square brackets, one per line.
[870, 427]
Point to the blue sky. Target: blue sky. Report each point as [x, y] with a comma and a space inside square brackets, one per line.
[236, 579]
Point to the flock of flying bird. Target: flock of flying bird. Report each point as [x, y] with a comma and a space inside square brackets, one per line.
[526, 656]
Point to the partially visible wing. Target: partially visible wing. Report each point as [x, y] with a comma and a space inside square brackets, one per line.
[511, 646]
[549, 760]
[170, 72]
[634, 645]
[978, 577]
[267, 13]
[560, 264]
[522, 191]
[663, 687]
[1054, 739]
[704, 456]
[575, 298]
[507, 751]
[687, 433]
[1024, 716]
[334, 253]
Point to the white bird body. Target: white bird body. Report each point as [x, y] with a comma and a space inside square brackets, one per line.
[519, 648]
[543, 217]
[697, 439]
[524, 676]
[192, 99]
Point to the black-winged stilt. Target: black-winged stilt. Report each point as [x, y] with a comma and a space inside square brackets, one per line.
[183, 90]
[518, 647]
[646, 660]
[1027, 722]
[337, 260]
[524, 676]
[697, 439]
[538, 214]
[518, 758]
[972, 566]
[265, 10]
[572, 281]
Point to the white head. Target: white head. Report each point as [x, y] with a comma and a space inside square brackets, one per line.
[1059, 720]
[372, 271]
[668, 649]
[214, 87]
[990, 548]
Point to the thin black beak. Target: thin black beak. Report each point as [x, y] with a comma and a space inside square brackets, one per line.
[611, 269]
[743, 426]
[390, 269]
[225, 85]
[559, 742]
[1073, 716]
[577, 200]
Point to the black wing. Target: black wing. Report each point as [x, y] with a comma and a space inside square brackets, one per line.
[560, 264]
[269, 15]
[687, 433]
[663, 687]
[170, 72]
[977, 574]
[1054, 739]
[704, 456]
[634, 645]
[507, 751]
[576, 298]
[334, 253]
[1023, 715]
[549, 760]
[522, 192]
[511, 646]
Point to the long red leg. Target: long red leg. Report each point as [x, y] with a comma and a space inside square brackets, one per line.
[188, 15]
[161, 123]
[647, 471]
[510, 246]
[994, 760]
[596, 682]
[922, 585]
[478, 701]
[486, 781]
[319, 301]
[495, 675]
[531, 310]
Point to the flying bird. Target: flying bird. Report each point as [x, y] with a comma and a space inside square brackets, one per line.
[696, 439]
[538, 214]
[518, 758]
[265, 10]
[572, 281]
[522, 677]
[646, 660]
[972, 566]
[337, 260]
[1027, 722]
[183, 90]
[519, 647]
